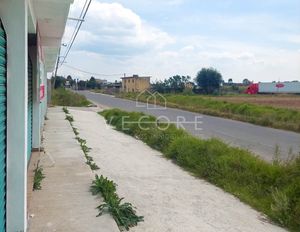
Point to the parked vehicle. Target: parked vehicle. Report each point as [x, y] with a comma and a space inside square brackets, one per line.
[274, 87]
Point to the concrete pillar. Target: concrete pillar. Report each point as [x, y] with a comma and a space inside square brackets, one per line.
[14, 17]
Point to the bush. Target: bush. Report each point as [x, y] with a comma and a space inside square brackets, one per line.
[63, 97]
[273, 189]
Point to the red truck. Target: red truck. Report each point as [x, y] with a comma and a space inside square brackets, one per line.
[274, 87]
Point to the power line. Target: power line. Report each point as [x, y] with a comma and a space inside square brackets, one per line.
[75, 33]
[72, 37]
[95, 74]
[78, 22]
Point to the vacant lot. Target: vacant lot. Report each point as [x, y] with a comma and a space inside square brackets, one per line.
[279, 101]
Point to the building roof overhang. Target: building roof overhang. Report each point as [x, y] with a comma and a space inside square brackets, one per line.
[49, 18]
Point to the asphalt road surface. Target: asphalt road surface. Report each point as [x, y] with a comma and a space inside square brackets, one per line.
[260, 140]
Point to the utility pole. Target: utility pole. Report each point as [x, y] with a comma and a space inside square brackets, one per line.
[55, 73]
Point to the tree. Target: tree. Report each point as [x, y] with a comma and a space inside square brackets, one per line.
[82, 85]
[175, 84]
[92, 84]
[246, 82]
[159, 86]
[209, 80]
[58, 82]
[230, 81]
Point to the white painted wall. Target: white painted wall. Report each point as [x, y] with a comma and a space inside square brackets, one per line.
[14, 17]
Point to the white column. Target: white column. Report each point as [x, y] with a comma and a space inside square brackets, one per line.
[14, 17]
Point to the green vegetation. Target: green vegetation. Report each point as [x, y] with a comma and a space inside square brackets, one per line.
[65, 109]
[256, 114]
[38, 177]
[69, 118]
[273, 189]
[174, 84]
[123, 213]
[209, 79]
[86, 150]
[82, 142]
[63, 97]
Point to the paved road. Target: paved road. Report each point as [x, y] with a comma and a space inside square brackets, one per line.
[260, 140]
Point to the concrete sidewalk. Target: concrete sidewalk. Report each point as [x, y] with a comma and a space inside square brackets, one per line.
[65, 204]
[169, 198]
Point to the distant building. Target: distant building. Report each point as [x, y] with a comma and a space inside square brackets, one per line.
[135, 84]
[189, 85]
[67, 84]
[101, 82]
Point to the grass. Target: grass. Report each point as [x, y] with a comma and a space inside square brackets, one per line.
[123, 213]
[272, 188]
[269, 116]
[38, 177]
[63, 97]
[82, 142]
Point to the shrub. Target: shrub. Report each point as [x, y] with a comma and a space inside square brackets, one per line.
[123, 213]
[63, 97]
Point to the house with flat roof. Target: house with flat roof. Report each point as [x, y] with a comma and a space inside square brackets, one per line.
[135, 83]
[30, 39]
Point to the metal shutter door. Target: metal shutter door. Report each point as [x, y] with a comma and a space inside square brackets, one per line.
[30, 105]
[2, 128]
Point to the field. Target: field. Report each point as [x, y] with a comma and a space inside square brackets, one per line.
[280, 112]
[278, 101]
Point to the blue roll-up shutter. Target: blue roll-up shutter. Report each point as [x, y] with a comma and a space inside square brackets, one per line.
[3, 106]
[30, 105]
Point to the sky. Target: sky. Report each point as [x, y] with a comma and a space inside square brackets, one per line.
[253, 39]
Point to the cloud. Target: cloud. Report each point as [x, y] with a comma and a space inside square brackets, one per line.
[115, 39]
[110, 28]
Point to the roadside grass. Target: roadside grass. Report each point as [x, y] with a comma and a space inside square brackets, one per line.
[63, 97]
[272, 188]
[269, 116]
